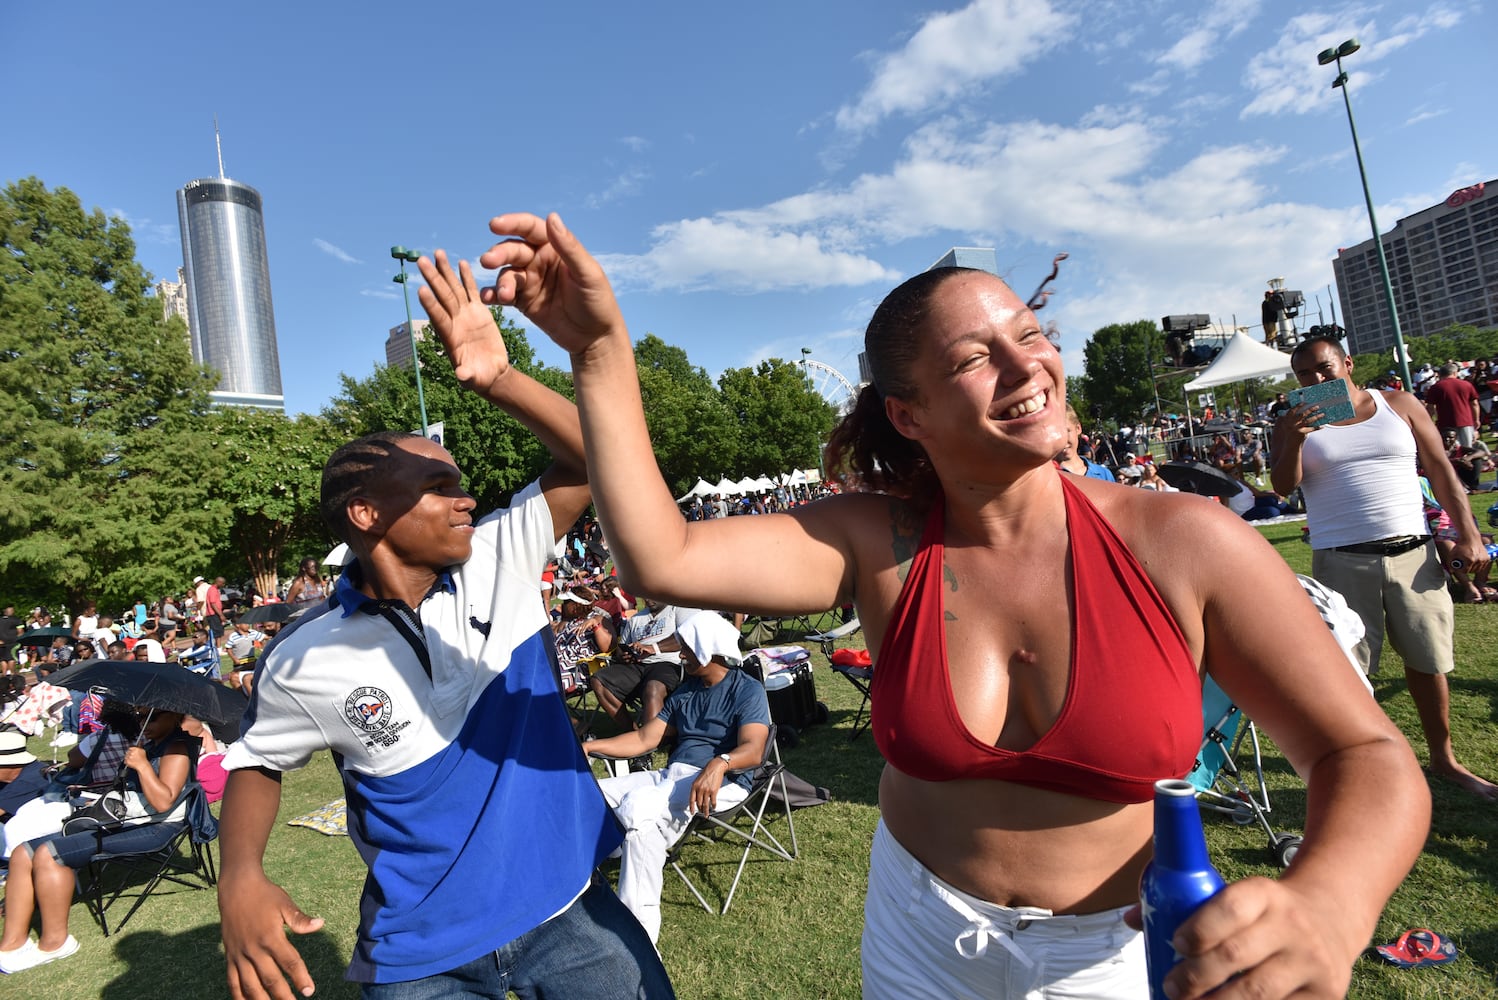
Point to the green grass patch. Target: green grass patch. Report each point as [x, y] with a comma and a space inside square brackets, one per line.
[794, 928]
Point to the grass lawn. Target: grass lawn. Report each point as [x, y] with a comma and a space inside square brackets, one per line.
[794, 927]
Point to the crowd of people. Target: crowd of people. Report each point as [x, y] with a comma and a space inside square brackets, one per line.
[430, 669]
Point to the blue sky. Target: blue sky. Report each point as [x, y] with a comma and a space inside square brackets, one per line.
[757, 176]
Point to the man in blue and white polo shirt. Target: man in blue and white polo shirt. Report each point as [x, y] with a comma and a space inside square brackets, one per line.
[431, 677]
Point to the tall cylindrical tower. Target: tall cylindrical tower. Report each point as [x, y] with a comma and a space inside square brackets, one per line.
[229, 313]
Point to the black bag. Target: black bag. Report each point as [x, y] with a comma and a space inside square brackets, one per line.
[107, 810]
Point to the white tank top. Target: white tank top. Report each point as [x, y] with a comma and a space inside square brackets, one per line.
[1361, 481]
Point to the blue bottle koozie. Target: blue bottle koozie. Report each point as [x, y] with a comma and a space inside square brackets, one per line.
[1178, 880]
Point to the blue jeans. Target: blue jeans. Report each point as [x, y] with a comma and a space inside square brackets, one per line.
[593, 950]
[70, 712]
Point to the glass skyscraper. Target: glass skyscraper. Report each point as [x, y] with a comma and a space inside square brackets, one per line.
[229, 314]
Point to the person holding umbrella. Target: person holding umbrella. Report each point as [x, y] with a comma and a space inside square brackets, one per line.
[43, 876]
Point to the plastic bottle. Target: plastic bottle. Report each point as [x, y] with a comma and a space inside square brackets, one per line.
[1178, 880]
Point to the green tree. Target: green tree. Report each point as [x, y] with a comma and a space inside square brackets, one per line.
[1118, 383]
[106, 468]
[271, 468]
[496, 453]
[784, 421]
[691, 429]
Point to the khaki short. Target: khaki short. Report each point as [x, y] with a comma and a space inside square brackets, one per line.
[1403, 596]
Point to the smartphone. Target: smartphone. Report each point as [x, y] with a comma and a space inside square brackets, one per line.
[1329, 397]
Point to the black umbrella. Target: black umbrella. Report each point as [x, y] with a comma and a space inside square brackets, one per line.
[269, 613]
[164, 686]
[43, 636]
[1195, 477]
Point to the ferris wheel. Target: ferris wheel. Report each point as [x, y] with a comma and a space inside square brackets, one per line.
[830, 384]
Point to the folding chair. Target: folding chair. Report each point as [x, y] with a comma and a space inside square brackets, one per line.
[857, 674]
[181, 852]
[726, 825]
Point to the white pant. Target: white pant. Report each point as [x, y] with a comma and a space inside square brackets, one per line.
[37, 818]
[924, 938]
[653, 806]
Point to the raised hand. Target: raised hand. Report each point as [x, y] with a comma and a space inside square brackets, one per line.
[547, 275]
[466, 326]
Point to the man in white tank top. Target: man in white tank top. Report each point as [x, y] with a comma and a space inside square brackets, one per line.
[1369, 536]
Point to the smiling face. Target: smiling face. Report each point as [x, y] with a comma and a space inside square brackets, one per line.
[418, 510]
[986, 376]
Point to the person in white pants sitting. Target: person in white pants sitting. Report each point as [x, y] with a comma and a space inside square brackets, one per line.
[720, 719]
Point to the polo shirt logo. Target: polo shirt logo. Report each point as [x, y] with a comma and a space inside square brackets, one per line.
[368, 709]
[370, 713]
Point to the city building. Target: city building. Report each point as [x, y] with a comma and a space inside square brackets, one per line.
[1443, 264]
[398, 343]
[981, 258]
[227, 273]
[173, 296]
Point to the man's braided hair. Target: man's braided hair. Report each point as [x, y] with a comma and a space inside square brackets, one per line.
[352, 471]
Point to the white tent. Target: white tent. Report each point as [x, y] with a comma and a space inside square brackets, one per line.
[764, 483]
[727, 488]
[338, 556]
[1243, 358]
[747, 485]
[702, 489]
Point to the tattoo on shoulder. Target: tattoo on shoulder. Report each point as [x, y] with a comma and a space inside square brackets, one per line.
[905, 535]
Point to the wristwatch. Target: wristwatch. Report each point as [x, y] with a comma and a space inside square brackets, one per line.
[725, 758]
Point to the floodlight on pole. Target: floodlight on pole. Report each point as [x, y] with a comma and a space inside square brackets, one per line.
[403, 255]
[1336, 55]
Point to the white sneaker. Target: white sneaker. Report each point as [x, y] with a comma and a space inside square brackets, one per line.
[20, 958]
[64, 740]
[67, 948]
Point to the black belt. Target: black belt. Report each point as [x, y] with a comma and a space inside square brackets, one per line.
[1398, 545]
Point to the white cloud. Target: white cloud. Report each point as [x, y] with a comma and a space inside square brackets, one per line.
[696, 254]
[951, 54]
[1221, 20]
[380, 293]
[635, 143]
[1286, 78]
[626, 185]
[1425, 114]
[335, 252]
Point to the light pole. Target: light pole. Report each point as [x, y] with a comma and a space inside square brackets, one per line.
[1335, 55]
[403, 255]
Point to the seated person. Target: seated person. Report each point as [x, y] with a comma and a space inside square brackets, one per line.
[582, 632]
[22, 776]
[720, 719]
[41, 881]
[646, 664]
[150, 643]
[1253, 504]
[96, 760]
[1470, 462]
[201, 657]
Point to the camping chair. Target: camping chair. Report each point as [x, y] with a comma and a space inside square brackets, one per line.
[182, 853]
[767, 795]
[852, 668]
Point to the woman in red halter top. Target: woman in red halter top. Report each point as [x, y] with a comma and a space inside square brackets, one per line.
[1038, 644]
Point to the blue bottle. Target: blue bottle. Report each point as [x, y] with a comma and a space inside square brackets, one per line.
[1178, 880]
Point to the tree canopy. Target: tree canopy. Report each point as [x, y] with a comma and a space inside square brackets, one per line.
[496, 453]
[105, 460]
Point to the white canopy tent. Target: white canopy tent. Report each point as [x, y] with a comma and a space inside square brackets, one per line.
[338, 556]
[1243, 358]
[747, 485]
[702, 489]
[727, 487]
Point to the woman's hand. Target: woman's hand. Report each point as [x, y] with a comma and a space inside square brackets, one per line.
[136, 760]
[1263, 938]
[464, 323]
[548, 275]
